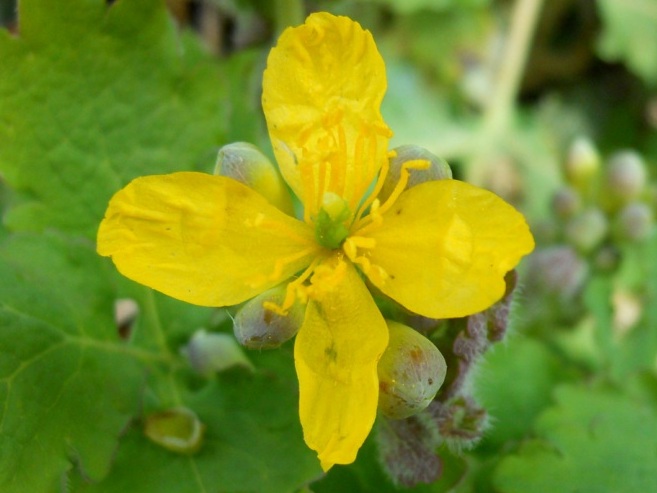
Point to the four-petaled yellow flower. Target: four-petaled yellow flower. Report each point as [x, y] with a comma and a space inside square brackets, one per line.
[440, 249]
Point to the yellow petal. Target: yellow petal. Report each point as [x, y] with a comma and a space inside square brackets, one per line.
[204, 239]
[322, 90]
[336, 354]
[443, 248]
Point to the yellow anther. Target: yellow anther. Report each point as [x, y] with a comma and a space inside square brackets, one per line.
[295, 291]
[326, 278]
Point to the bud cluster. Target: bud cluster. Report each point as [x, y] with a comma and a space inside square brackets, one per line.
[605, 207]
[453, 418]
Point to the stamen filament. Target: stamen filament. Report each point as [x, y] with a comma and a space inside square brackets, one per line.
[374, 220]
[291, 291]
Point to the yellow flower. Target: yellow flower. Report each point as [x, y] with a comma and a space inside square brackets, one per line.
[440, 249]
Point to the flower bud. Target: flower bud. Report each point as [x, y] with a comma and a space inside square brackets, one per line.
[258, 326]
[411, 370]
[245, 163]
[208, 353]
[557, 270]
[438, 169]
[582, 163]
[587, 230]
[566, 202]
[178, 430]
[634, 222]
[461, 422]
[625, 176]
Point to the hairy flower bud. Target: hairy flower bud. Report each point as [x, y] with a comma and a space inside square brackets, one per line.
[587, 230]
[178, 430]
[208, 352]
[557, 270]
[582, 162]
[438, 169]
[625, 176]
[566, 201]
[245, 163]
[411, 371]
[258, 326]
[634, 222]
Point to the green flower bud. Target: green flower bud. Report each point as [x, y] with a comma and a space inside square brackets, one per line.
[634, 222]
[258, 325]
[566, 202]
[438, 169]
[178, 430]
[625, 176]
[208, 353]
[586, 231]
[582, 163]
[245, 163]
[411, 370]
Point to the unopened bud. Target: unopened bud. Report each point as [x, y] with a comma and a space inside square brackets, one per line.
[566, 202]
[461, 422]
[582, 162]
[258, 326]
[557, 270]
[245, 163]
[177, 430]
[438, 169]
[209, 352]
[626, 175]
[411, 370]
[587, 230]
[634, 222]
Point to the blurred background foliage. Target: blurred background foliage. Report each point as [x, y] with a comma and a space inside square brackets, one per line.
[550, 104]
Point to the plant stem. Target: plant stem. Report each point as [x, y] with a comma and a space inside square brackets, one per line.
[288, 13]
[524, 19]
[154, 324]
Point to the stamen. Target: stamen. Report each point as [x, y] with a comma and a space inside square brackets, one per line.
[371, 221]
[292, 292]
[385, 169]
[325, 278]
[374, 272]
[282, 262]
[347, 185]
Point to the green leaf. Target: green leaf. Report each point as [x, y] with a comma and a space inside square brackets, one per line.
[93, 96]
[514, 383]
[67, 387]
[70, 388]
[592, 440]
[626, 350]
[253, 440]
[630, 35]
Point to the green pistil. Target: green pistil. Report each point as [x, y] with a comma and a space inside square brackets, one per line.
[330, 227]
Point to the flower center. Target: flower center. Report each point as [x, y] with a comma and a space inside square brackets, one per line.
[331, 223]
